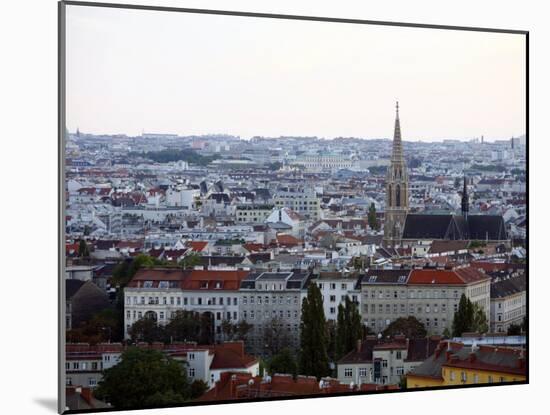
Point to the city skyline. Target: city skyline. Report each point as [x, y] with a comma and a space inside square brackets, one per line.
[128, 71]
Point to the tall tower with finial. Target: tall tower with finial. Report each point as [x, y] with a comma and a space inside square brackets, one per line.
[465, 204]
[397, 189]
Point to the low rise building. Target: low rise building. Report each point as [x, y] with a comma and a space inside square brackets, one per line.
[384, 361]
[85, 363]
[454, 364]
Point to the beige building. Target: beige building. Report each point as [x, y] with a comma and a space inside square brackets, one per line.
[429, 295]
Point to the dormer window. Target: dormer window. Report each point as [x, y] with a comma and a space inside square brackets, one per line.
[163, 284]
[147, 284]
[218, 284]
[204, 284]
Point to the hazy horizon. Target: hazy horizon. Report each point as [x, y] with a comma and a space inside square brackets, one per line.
[130, 71]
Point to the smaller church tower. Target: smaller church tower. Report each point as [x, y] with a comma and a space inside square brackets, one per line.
[465, 200]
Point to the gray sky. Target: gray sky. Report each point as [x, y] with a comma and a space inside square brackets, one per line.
[132, 70]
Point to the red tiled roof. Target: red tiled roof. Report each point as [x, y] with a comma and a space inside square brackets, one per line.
[207, 279]
[235, 385]
[197, 246]
[456, 276]
[230, 355]
[287, 240]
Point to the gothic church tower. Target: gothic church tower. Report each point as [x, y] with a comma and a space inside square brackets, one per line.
[397, 190]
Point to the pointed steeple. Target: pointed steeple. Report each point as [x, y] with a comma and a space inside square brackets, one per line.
[465, 200]
[397, 150]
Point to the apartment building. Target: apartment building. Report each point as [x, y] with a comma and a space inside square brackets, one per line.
[273, 298]
[335, 287]
[158, 293]
[508, 302]
[429, 294]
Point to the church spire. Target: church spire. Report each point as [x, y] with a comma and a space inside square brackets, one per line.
[397, 150]
[465, 201]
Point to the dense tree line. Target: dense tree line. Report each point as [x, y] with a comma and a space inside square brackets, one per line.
[349, 328]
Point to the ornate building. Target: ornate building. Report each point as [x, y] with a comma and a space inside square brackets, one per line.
[397, 189]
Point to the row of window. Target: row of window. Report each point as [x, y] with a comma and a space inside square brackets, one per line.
[265, 299]
[332, 286]
[84, 366]
[178, 300]
[363, 371]
[136, 315]
[411, 294]
[252, 315]
[428, 322]
[92, 382]
[402, 308]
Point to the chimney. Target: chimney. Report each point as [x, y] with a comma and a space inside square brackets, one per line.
[86, 395]
[358, 345]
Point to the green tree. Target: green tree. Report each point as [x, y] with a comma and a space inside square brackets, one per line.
[83, 250]
[372, 219]
[313, 337]
[190, 260]
[144, 378]
[206, 333]
[479, 320]
[275, 336]
[462, 319]
[147, 330]
[408, 326]
[241, 330]
[183, 326]
[198, 387]
[283, 362]
[349, 328]
[470, 317]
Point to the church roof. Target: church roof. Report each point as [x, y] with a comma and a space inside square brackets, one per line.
[454, 227]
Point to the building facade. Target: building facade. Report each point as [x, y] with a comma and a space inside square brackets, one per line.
[271, 302]
[158, 293]
[430, 295]
[335, 287]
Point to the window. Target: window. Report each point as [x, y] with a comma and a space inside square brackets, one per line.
[75, 366]
[191, 356]
[332, 310]
[463, 377]
[452, 375]
[384, 363]
[399, 370]
[476, 378]
[348, 372]
[344, 286]
[92, 381]
[362, 372]
[192, 372]
[489, 379]
[161, 315]
[69, 381]
[398, 354]
[332, 298]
